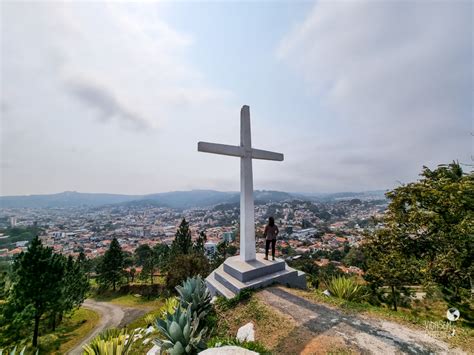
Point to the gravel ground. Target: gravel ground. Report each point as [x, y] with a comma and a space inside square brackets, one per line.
[358, 334]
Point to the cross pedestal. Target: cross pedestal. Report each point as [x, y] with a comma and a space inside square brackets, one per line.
[237, 272]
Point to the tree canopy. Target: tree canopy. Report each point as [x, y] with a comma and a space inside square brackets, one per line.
[429, 226]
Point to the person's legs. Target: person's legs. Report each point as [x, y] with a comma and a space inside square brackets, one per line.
[273, 248]
[267, 246]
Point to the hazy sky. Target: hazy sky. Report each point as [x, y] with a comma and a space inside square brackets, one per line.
[113, 97]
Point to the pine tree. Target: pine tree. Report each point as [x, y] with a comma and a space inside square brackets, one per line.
[38, 273]
[162, 252]
[182, 243]
[75, 285]
[110, 269]
[146, 258]
[198, 245]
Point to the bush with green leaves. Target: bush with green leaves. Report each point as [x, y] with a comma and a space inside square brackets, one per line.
[183, 266]
[195, 294]
[181, 332]
[346, 288]
[110, 342]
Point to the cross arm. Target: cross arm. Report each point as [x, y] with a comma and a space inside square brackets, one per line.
[266, 155]
[222, 149]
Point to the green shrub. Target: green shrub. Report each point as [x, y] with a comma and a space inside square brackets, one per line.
[48, 342]
[346, 288]
[184, 266]
[249, 345]
[181, 332]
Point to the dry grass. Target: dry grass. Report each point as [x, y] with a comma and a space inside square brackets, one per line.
[270, 325]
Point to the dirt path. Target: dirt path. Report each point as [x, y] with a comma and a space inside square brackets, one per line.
[322, 329]
[111, 316]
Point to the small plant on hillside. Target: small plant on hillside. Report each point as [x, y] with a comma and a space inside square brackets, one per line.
[110, 342]
[249, 345]
[346, 288]
[195, 294]
[243, 295]
[181, 332]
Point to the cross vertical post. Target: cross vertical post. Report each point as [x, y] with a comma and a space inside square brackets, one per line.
[247, 215]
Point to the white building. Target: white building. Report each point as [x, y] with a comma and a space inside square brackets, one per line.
[13, 221]
[210, 248]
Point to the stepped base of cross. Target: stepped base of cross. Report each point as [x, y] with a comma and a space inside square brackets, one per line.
[235, 275]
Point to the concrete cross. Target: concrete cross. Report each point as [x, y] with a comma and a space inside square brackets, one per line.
[246, 153]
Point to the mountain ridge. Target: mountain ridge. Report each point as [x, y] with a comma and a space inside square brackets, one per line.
[172, 199]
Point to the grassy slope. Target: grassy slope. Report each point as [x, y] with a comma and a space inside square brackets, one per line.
[70, 332]
[130, 301]
[270, 326]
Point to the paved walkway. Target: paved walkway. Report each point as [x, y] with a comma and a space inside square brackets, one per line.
[321, 329]
[111, 316]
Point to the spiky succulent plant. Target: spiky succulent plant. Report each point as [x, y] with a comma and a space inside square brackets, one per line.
[14, 351]
[110, 342]
[181, 332]
[170, 306]
[195, 294]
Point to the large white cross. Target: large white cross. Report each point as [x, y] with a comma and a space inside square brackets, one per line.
[246, 153]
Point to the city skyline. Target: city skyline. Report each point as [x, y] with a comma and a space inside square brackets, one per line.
[113, 98]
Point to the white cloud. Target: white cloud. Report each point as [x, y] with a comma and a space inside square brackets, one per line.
[397, 76]
[122, 60]
[97, 92]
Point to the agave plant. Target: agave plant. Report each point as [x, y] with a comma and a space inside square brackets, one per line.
[150, 319]
[181, 332]
[110, 342]
[14, 351]
[346, 288]
[195, 294]
[170, 306]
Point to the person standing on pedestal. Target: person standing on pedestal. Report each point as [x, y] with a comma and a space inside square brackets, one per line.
[270, 233]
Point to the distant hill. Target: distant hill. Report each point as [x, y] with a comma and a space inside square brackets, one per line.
[339, 196]
[64, 199]
[175, 199]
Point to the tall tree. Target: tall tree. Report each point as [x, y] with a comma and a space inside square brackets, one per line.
[37, 282]
[388, 265]
[432, 221]
[182, 243]
[110, 270]
[198, 245]
[75, 285]
[146, 258]
[163, 253]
